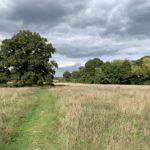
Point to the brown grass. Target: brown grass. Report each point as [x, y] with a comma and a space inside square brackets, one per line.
[13, 102]
[5, 92]
[104, 117]
[92, 117]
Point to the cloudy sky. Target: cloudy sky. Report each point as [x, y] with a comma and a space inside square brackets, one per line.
[82, 29]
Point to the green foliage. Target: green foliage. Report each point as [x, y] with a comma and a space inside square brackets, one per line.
[141, 71]
[114, 72]
[4, 72]
[67, 76]
[75, 75]
[90, 67]
[27, 57]
[117, 72]
[99, 76]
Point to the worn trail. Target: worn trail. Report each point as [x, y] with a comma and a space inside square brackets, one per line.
[38, 129]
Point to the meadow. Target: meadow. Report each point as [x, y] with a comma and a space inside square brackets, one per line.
[13, 103]
[75, 117]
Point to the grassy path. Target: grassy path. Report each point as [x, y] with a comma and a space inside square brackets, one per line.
[38, 128]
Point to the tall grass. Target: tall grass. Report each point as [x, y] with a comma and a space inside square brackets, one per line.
[13, 103]
[98, 117]
[90, 117]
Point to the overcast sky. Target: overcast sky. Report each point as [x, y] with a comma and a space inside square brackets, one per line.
[82, 29]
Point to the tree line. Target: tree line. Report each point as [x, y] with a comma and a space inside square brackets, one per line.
[111, 72]
[25, 60]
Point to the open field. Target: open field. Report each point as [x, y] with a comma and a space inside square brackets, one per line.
[104, 117]
[75, 117]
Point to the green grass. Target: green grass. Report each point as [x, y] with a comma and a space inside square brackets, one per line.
[37, 130]
[13, 104]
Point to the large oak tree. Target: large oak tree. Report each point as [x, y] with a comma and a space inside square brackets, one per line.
[27, 56]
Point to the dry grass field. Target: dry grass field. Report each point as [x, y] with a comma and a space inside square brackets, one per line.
[104, 117]
[75, 117]
[13, 102]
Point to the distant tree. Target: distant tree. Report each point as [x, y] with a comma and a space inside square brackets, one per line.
[67, 76]
[92, 64]
[100, 76]
[141, 71]
[107, 70]
[114, 72]
[117, 72]
[146, 63]
[138, 75]
[75, 76]
[146, 69]
[123, 69]
[90, 69]
[27, 55]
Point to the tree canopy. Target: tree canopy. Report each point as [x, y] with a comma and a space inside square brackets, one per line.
[25, 60]
[67, 76]
[114, 72]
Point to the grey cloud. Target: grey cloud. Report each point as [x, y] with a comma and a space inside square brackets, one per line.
[86, 51]
[37, 11]
[121, 18]
[83, 28]
[110, 18]
[48, 12]
[37, 14]
[139, 18]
